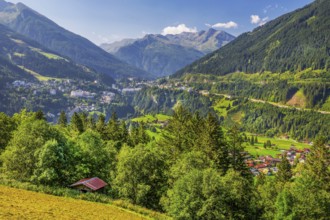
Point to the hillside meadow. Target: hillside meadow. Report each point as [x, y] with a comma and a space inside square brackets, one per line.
[22, 204]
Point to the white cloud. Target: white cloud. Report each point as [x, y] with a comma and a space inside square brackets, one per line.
[263, 21]
[255, 19]
[227, 25]
[178, 29]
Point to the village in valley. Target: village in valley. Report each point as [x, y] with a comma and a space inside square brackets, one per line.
[267, 164]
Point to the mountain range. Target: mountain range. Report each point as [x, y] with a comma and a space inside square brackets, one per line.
[163, 55]
[292, 42]
[25, 59]
[37, 27]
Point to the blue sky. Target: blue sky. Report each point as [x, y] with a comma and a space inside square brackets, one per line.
[111, 20]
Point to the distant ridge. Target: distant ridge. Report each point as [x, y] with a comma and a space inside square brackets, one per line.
[31, 24]
[292, 42]
[20, 56]
[164, 55]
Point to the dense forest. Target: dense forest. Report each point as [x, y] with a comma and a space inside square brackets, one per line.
[155, 100]
[259, 118]
[196, 169]
[292, 42]
[271, 121]
[310, 86]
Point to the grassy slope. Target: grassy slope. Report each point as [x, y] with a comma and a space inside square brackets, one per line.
[22, 204]
[258, 149]
[221, 105]
[280, 144]
[151, 118]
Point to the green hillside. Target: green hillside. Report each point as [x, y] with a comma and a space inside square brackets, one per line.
[18, 204]
[292, 42]
[33, 25]
[39, 61]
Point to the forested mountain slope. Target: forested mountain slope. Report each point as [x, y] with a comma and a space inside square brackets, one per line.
[31, 24]
[292, 42]
[21, 56]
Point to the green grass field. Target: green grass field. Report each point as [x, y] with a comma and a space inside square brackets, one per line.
[156, 134]
[19, 54]
[280, 144]
[151, 118]
[23, 204]
[221, 105]
[48, 55]
[38, 76]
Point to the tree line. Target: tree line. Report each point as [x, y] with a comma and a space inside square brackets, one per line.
[195, 170]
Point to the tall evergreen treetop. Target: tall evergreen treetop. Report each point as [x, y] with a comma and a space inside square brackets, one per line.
[284, 173]
[62, 120]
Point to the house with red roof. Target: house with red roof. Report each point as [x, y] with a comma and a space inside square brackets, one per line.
[89, 184]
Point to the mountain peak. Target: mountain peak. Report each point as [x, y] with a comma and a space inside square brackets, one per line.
[4, 4]
[20, 6]
[211, 30]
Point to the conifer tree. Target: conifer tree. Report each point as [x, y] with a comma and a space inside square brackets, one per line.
[252, 140]
[142, 134]
[113, 131]
[269, 144]
[101, 126]
[7, 126]
[123, 132]
[212, 142]
[39, 115]
[318, 163]
[284, 173]
[84, 116]
[62, 120]
[235, 147]
[91, 123]
[76, 123]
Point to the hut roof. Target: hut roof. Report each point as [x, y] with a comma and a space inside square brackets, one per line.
[94, 183]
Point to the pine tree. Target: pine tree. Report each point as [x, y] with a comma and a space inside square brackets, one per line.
[284, 173]
[62, 120]
[91, 123]
[76, 123]
[213, 144]
[318, 163]
[123, 132]
[84, 117]
[143, 137]
[235, 147]
[252, 140]
[101, 126]
[269, 144]
[256, 139]
[113, 130]
[39, 115]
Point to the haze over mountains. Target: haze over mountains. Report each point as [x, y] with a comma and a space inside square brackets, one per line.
[163, 55]
[35, 26]
[292, 42]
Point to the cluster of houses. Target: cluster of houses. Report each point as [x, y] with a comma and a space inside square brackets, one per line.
[82, 94]
[268, 164]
